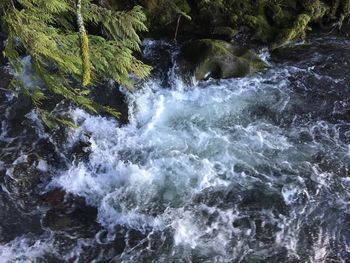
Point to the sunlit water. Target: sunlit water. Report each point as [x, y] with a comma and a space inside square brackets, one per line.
[242, 170]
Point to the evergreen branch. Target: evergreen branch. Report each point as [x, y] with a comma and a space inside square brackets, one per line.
[45, 31]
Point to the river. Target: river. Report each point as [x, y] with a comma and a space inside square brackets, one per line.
[253, 169]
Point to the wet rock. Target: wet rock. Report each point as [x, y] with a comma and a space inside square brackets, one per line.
[4, 77]
[14, 221]
[24, 176]
[80, 151]
[55, 198]
[77, 220]
[69, 213]
[218, 59]
[110, 95]
[224, 32]
[21, 106]
[163, 12]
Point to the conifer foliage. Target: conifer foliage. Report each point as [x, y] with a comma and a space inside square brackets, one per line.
[64, 57]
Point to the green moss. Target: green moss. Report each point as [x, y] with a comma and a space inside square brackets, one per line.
[316, 9]
[269, 21]
[163, 12]
[224, 31]
[219, 59]
[297, 30]
[86, 59]
[344, 11]
[84, 47]
[263, 31]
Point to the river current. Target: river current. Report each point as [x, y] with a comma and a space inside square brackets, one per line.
[254, 169]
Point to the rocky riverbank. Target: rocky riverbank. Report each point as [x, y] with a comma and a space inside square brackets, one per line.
[271, 22]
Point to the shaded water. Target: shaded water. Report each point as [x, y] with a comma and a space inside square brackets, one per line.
[245, 170]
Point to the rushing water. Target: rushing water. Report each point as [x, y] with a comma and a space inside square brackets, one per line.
[254, 169]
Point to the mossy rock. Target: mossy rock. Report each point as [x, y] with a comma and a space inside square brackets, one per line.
[162, 13]
[224, 32]
[207, 58]
[274, 23]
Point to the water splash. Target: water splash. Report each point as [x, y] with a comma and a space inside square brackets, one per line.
[239, 170]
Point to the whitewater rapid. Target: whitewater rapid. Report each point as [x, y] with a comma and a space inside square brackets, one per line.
[189, 158]
[238, 170]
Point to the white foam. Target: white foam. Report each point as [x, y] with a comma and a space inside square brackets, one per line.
[290, 194]
[42, 165]
[23, 249]
[180, 143]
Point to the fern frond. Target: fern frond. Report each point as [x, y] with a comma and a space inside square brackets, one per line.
[62, 57]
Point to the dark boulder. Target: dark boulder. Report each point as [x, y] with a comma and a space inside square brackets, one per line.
[218, 59]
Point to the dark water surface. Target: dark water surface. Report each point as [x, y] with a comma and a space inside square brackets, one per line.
[243, 170]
